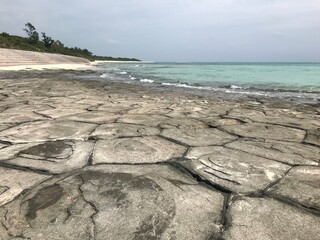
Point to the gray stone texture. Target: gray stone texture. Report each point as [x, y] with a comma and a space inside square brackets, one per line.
[301, 185]
[234, 170]
[269, 219]
[160, 202]
[136, 150]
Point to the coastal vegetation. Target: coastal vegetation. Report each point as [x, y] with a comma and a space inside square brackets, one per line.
[47, 44]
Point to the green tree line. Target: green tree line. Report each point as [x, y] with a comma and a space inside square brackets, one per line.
[33, 43]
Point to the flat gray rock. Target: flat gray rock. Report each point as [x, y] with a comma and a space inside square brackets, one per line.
[183, 123]
[198, 136]
[154, 108]
[147, 120]
[47, 130]
[149, 149]
[269, 219]
[13, 182]
[115, 202]
[54, 157]
[116, 130]
[61, 112]
[300, 185]
[94, 117]
[234, 170]
[286, 152]
[267, 131]
[272, 116]
[20, 117]
[191, 109]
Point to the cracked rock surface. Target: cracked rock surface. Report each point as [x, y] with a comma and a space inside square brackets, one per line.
[116, 202]
[91, 160]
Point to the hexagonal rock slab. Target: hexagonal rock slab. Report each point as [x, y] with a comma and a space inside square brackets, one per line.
[13, 182]
[234, 170]
[198, 136]
[94, 117]
[183, 123]
[116, 130]
[47, 130]
[286, 152]
[115, 202]
[54, 157]
[147, 120]
[267, 131]
[300, 185]
[136, 150]
[269, 219]
[61, 112]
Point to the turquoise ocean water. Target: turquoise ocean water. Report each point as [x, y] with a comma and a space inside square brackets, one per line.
[229, 77]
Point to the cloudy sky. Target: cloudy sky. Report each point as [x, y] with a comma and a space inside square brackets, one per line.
[176, 30]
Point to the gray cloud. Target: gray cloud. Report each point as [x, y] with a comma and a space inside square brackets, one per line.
[180, 30]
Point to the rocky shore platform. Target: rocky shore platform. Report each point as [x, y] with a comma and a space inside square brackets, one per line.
[91, 160]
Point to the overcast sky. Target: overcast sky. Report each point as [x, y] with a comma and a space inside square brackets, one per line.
[176, 30]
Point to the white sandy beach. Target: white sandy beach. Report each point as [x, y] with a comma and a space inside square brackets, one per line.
[13, 60]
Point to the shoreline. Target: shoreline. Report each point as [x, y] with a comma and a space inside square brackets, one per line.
[91, 73]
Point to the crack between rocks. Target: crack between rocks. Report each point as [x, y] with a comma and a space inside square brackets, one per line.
[225, 224]
[90, 159]
[26, 169]
[94, 207]
[225, 179]
[312, 210]
[199, 179]
[42, 115]
[173, 140]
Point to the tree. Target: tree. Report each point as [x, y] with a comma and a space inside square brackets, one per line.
[32, 33]
[48, 41]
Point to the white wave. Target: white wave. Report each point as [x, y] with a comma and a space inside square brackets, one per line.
[104, 75]
[123, 73]
[186, 86]
[235, 87]
[132, 78]
[146, 80]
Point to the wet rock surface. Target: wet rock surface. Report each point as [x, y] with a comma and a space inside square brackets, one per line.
[91, 160]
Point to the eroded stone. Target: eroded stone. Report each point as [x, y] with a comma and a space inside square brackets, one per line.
[198, 136]
[136, 150]
[13, 182]
[264, 219]
[160, 202]
[94, 117]
[116, 130]
[234, 170]
[300, 185]
[267, 131]
[147, 120]
[47, 130]
[61, 112]
[54, 157]
[286, 152]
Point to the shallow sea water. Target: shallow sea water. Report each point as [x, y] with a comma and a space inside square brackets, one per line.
[246, 78]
